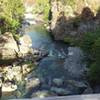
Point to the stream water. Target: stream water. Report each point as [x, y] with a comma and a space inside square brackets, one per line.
[63, 63]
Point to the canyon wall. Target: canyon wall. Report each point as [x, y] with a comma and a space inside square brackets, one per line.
[74, 18]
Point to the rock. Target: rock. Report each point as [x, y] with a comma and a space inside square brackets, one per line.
[8, 87]
[12, 73]
[73, 64]
[36, 53]
[25, 44]
[42, 94]
[25, 40]
[9, 75]
[18, 93]
[98, 15]
[96, 89]
[58, 82]
[87, 14]
[77, 83]
[26, 68]
[60, 91]
[39, 54]
[74, 22]
[77, 86]
[8, 47]
[24, 50]
[32, 82]
[88, 90]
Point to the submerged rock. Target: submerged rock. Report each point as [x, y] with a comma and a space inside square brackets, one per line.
[73, 64]
[76, 86]
[58, 81]
[60, 91]
[42, 94]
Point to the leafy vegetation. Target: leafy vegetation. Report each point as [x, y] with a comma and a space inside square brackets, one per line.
[88, 40]
[11, 13]
[71, 41]
[69, 2]
[42, 7]
[95, 67]
[91, 45]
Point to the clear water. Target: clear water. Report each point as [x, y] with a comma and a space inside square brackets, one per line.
[51, 66]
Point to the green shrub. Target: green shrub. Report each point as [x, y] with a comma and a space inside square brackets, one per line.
[71, 40]
[11, 13]
[96, 50]
[91, 45]
[95, 68]
[88, 40]
[42, 7]
[94, 73]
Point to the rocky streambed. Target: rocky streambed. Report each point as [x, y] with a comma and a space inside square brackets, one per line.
[62, 72]
[43, 67]
[17, 59]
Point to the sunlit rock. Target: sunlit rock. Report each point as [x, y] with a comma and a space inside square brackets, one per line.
[32, 82]
[26, 68]
[25, 44]
[8, 87]
[8, 47]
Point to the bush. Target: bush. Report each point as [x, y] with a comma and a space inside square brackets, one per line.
[96, 50]
[42, 7]
[91, 45]
[11, 12]
[94, 73]
[88, 40]
[71, 40]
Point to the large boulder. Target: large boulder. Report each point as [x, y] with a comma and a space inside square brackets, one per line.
[8, 87]
[73, 64]
[8, 47]
[25, 44]
[74, 21]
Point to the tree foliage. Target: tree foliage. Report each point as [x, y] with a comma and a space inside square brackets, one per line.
[11, 12]
[91, 45]
[88, 40]
[95, 67]
[42, 7]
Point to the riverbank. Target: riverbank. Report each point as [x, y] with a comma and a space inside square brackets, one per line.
[17, 59]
